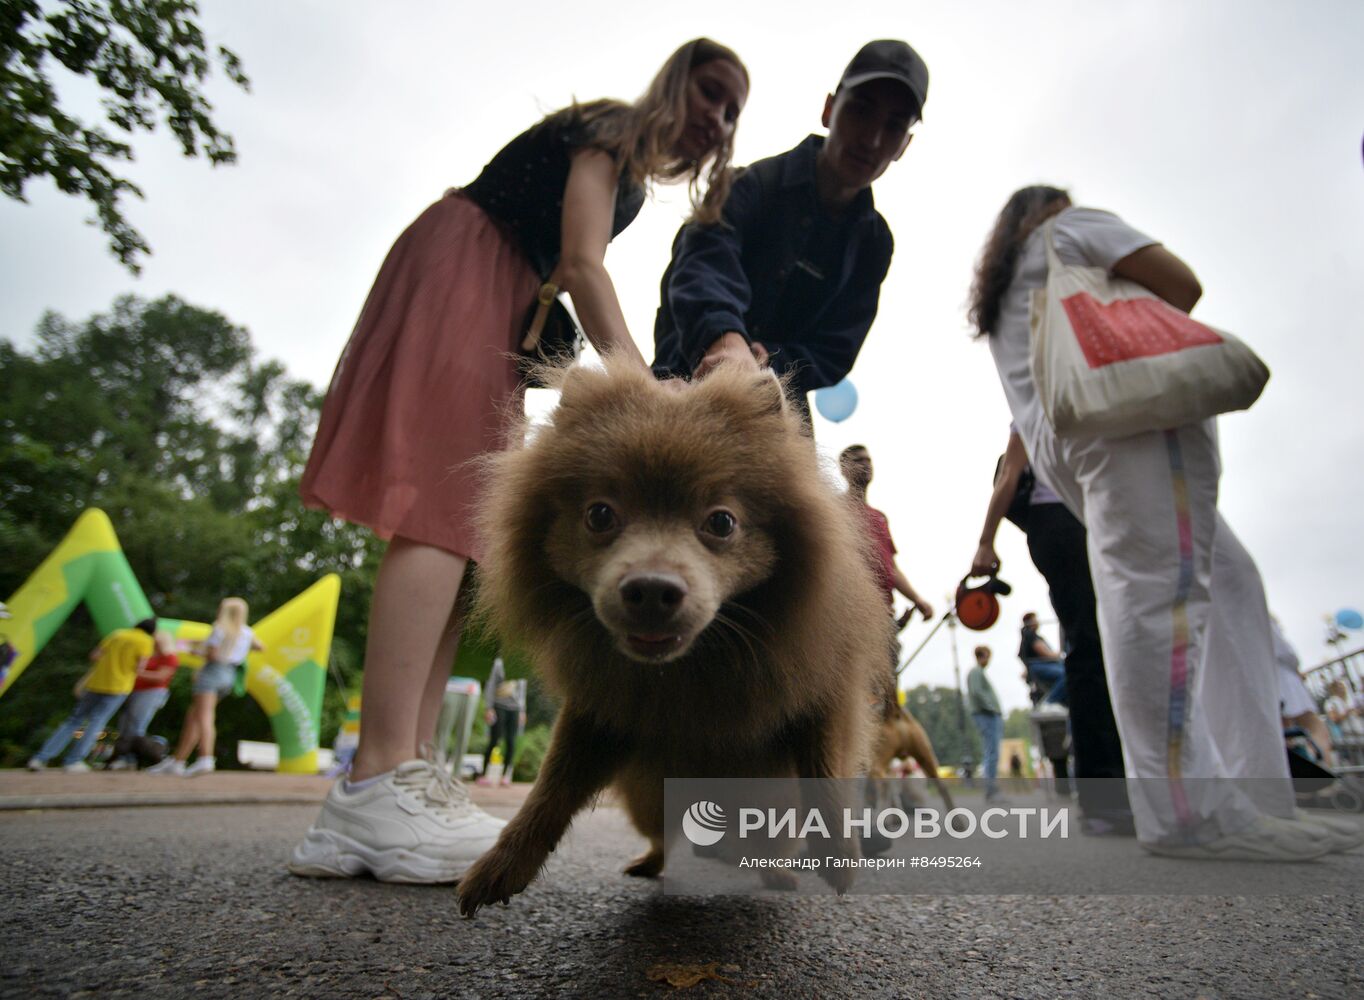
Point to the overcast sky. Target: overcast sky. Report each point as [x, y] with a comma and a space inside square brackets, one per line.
[1231, 131]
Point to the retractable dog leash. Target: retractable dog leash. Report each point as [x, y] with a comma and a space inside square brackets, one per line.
[975, 607]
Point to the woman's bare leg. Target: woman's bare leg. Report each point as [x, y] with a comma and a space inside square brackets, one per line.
[189, 734]
[205, 709]
[414, 598]
[433, 696]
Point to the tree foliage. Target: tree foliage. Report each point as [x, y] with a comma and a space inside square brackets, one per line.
[160, 413]
[147, 57]
[951, 731]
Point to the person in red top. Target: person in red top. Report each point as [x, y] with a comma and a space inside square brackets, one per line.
[150, 691]
[855, 464]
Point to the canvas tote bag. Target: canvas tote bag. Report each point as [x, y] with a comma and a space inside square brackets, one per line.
[1110, 358]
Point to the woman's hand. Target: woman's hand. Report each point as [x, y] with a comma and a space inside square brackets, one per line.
[986, 561]
[1161, 272]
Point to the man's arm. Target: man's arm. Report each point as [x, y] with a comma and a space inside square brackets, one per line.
[1042, 651]
[829, 354]
[902, 584]
[708, 290]
[972, 691]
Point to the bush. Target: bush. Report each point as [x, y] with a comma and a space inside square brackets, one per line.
[530, 752]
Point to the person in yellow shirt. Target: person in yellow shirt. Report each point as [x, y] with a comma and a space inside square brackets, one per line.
[99, 694]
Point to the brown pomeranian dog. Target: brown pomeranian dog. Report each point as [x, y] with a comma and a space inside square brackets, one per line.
[692, 587]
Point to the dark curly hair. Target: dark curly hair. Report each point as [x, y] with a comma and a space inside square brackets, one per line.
[1026, 209]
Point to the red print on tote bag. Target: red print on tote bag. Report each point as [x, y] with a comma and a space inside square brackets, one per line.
[1131, 328]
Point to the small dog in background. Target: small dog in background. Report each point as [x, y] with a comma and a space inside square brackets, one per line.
[901, 735]
[692, 587]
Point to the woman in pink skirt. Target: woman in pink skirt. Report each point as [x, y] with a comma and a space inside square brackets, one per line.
[427, 383]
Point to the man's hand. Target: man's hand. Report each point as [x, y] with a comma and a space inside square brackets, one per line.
[729, 348]
[925, 609]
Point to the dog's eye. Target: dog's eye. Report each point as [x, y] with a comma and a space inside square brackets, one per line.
[600, 517]
[721, 523]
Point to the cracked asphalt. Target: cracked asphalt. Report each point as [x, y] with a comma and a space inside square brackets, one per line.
[178, 901]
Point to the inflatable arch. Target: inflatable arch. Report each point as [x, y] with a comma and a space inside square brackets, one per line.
[287, 679]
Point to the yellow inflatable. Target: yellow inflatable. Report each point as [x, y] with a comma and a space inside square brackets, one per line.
[89, 567]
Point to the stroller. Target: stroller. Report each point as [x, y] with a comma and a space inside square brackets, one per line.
[1316, 785]
[1051, 734]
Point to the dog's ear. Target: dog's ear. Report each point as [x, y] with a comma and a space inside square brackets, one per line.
[746, 395]
[771, 393]
[586, 392]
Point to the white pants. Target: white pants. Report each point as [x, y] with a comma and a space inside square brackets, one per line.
[1185, 630]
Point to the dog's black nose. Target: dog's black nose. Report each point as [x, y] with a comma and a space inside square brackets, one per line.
[653, 598]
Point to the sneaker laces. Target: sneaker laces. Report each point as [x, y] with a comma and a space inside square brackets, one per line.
[436, 787]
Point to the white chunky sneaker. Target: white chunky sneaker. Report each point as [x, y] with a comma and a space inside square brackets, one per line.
[204, 765]
[415, 824]
[77, 767]
[34, 764]
[1269, 838]
[1346, 834]
[170, 765]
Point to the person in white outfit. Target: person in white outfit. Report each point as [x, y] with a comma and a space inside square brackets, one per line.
[1181, 607]
[1295, 701]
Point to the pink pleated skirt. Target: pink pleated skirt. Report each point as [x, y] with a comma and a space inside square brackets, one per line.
[425, 384]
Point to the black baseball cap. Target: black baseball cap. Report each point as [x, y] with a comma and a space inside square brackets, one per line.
[889, 59]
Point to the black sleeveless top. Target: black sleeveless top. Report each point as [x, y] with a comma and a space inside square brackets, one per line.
[523, 188]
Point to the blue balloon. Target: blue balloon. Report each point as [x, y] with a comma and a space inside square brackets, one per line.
[1349, 618]
[836, 402]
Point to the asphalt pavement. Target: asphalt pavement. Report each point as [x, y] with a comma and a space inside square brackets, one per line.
[118, 899]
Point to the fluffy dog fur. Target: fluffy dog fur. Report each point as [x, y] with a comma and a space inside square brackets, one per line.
[720, 622]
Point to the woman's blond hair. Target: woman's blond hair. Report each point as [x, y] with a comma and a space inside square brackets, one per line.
[232, 613]
[642, 136]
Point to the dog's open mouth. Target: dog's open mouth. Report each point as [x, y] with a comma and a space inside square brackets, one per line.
[653, 645]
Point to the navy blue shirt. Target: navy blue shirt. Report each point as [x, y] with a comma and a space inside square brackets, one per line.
[779, 270]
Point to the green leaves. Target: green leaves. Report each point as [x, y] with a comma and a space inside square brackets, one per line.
[160, 413]
[149, 59]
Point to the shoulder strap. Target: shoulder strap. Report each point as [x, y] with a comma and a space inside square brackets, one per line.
[1049, 237]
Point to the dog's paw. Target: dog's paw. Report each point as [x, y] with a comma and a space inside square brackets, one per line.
[778, 879]
[646, 865]
[838, 879]
[494, 878]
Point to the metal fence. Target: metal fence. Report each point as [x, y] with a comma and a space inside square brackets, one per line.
[1348, 738]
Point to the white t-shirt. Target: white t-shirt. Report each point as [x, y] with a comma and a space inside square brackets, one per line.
[1294, 698]
[1084, 236]
[239, 649]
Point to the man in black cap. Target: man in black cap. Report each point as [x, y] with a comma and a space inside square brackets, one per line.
[792, 275]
